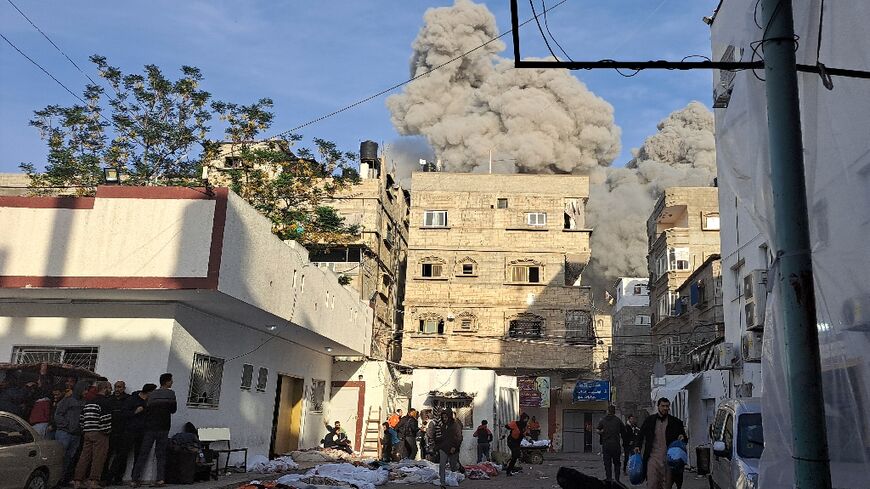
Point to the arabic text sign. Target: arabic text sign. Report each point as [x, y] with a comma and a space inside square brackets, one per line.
[592, 390]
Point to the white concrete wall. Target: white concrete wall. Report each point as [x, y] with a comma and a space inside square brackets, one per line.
[705, 394]
[625, 293]
[482, 383]
[248, 413]
[118, 237]
[259, 269]
[133, 342]
[741, 240]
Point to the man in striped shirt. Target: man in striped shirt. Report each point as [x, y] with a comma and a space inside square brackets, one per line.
[96, 424]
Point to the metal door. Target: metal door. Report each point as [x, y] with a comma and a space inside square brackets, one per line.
[573, 431]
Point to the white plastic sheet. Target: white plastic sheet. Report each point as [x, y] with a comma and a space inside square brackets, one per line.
[261, 464]
[836, 137]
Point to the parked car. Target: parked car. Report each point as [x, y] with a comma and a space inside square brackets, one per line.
[738, 440]
[26, 459]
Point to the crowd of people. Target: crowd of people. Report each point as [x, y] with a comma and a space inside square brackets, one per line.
[98, 424]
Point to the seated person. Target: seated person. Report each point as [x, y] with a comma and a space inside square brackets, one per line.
[337, 438]
[533, 430]
[390, 445]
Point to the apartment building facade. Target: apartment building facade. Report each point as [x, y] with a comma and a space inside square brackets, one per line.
[632, 354]
[683, 232]
[493, 283]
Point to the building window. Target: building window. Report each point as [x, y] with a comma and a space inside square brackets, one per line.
[678, 259]
[80, 356]
[232, 162]
[526, 326]
[642, 320]
[711, 222]
[466, 267]
[205, 381]
[577, 326]
[525, 272]
[666, 305]
[247, 376]
[536, 218]
[262, 379]
[318, 393]
[502, 203]
[640, 289]
[435, 219]
[465, 322]
[431, 270]
[431, 325]
[462, 407]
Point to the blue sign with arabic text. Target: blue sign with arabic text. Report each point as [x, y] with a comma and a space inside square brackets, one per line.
[592, 390]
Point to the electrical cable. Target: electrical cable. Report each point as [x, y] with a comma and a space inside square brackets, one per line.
[52, 42]
[547, 26]
[541, 30]
[398, 85]
[823, 71]
[44, 70]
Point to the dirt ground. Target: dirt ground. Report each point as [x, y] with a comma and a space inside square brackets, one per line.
[532, 477]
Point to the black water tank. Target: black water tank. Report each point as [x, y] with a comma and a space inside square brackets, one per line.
[368, 151]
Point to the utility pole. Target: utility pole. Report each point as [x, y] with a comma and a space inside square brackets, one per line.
[795, 278]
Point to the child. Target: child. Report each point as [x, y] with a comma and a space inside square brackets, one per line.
[484, 438]
[390, 444]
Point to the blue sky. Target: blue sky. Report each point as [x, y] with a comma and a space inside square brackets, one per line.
[314, 57]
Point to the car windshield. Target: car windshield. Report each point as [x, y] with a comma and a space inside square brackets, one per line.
[750, 436]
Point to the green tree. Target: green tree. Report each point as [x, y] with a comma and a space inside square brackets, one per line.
[291, 189]
[152, 134]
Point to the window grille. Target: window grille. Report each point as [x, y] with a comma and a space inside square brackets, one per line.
[247, 376]
[463, 410]
[526, 327]
[466, 324]
[262, 379]
[318, 392]
[435, 219]
[205, 381]
[536, 218]
[577, 326]
[82, 357]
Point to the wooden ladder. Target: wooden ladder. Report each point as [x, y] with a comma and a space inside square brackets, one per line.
[372, 435]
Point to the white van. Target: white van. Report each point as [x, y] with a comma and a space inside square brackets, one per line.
[738, 440]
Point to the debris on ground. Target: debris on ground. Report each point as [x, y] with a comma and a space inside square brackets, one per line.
[260, 464]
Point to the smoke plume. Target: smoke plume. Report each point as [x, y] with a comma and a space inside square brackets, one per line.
[534, 121]
[545, 121]
[404, 155]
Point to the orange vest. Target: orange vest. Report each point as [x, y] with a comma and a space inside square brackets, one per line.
[515, 430]
[394, 420]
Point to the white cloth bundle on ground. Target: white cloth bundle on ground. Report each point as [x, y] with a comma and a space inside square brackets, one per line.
[260, 464]
[539, 443]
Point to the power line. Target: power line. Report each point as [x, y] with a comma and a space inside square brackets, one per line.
[44, 71]
[398, 85]
[52, 42]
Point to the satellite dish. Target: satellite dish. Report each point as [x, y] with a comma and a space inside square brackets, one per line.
[659, 370]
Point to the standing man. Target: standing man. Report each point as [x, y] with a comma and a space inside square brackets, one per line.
[629, 435]
[514, 438]
[611, 428]
[118, 449]
[96, 422]
[67, 421]
[159, 408]
[395, 418]
[657, 432]
[484, 439]
[407, 429]
[134, 425]
[424, 428]
[447, 435]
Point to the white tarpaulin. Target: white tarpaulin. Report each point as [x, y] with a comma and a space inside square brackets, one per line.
[836, 132]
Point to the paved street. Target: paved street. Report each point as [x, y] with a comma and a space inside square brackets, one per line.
[533, 476]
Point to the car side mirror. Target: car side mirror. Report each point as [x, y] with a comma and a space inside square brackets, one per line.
[720, 450]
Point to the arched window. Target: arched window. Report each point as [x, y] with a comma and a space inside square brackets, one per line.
[526, 326]
[431, 267]
[466, 267]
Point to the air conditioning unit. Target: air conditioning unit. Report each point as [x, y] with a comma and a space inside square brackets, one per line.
[726, 357]
[755, 297]
[750, 346]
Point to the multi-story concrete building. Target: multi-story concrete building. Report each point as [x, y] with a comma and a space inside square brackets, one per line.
[373, 262]
[493, 282]
[632, 355]
[683, 232]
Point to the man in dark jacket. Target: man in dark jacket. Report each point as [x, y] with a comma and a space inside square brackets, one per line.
[159, 408]
[407, 430]
[96, 424]
[629, 435]
[656, 434]
[447, 438]
[134, 422]
[68, 427]
[514, 440]
[610, 428]
[116, 462]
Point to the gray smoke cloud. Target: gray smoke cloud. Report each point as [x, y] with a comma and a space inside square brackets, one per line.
[404, 155]
[545, 121]
[681, 153]
[535, 121]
